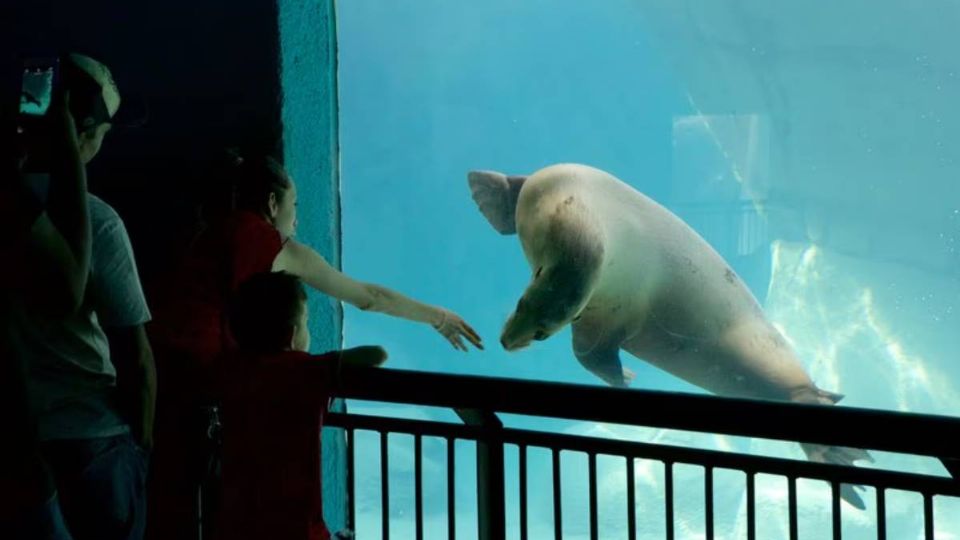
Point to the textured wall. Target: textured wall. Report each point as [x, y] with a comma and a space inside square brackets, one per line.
[311, 153]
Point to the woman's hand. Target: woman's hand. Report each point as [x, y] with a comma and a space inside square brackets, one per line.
[452, 327]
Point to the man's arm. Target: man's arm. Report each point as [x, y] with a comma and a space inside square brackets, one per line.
[136, 379]
[59, 246]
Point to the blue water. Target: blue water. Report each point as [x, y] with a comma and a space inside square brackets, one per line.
[815, 146]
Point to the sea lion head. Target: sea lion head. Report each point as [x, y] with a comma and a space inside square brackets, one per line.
[548, 305]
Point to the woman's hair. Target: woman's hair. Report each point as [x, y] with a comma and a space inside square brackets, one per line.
[264, 311]
[254, 179]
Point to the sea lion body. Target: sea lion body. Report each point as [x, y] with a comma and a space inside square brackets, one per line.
[628, 274]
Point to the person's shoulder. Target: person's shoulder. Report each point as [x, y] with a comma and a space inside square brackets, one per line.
[101, 213]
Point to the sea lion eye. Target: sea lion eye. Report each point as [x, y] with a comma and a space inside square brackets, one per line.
[539, 271]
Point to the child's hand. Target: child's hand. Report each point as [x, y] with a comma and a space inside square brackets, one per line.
[364, 356]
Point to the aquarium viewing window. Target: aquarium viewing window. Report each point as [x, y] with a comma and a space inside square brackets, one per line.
[814, 147]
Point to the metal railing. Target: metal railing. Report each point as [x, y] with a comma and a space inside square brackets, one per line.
[478, 399]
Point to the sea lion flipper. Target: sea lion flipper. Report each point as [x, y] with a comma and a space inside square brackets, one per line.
[849, 494]
[496, 196]
[839, 455]
[832, 397]
[600, 355]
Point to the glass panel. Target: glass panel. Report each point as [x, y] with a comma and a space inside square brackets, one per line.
[812, 146]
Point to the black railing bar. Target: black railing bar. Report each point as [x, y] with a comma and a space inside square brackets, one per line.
[631, 500]
[722, 460]
[928, 528]
[451, 489]
[351, 479]
[668, 498]
[522, 473]
[491, 519]
[792, 506]
[557, 506]
[418, 484]
[751, 506]
[708, 499]
[881, 514]
[835, 510]
[837, 426]
[478, 417]
[384, 485]
[592, 474]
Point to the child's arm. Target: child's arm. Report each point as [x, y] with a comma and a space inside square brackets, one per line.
[365, 356]
[328, 366]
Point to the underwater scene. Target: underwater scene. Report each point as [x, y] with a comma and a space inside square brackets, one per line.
[672, 157]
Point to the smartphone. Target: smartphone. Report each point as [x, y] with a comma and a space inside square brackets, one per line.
[40, 76]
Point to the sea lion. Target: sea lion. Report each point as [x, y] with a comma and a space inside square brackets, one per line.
[629, 274]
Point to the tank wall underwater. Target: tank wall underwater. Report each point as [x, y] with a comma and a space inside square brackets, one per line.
[814, 146]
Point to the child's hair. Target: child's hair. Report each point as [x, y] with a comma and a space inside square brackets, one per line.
[254, 179]
[264, 311]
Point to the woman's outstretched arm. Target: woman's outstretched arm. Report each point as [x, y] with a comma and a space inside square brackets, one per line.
[305, 263]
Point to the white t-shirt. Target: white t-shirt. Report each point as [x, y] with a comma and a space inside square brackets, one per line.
[72, 380]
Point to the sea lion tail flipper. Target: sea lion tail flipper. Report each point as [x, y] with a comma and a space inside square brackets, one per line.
[839, 455]
[496, 195]
[814, 395]
[849, 494]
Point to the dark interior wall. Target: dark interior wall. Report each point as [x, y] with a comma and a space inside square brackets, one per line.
[208, 71]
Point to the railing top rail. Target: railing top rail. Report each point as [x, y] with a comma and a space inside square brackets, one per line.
[910, 433]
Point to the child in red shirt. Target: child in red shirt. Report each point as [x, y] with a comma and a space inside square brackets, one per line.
[275, 397]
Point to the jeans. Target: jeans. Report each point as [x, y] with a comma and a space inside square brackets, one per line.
[101, 483]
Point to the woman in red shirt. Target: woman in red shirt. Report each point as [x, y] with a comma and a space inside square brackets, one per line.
[258, 237]
[189, 332]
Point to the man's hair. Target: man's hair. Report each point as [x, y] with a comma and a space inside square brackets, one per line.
[264, 311]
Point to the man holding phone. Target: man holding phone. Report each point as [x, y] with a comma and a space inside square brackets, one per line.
[51, 247]
[91, 378]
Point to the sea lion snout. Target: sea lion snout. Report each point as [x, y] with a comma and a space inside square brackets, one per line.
[512, 338]
[521, 329]
[512, 346]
